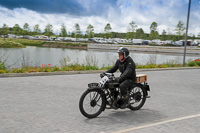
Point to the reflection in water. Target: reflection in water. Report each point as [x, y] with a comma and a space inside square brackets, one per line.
[35, 56]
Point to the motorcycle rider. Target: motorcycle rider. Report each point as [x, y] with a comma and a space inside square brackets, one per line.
[126, 66]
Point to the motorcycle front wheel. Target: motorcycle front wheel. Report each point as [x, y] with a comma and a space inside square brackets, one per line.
[91, 103]
[137, 98]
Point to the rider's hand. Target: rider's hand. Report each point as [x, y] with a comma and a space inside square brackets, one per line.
[102, 75]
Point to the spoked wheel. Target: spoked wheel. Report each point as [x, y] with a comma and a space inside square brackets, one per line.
[137, 98]
[91, 103]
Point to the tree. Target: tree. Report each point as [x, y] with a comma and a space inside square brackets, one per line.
[77, 30]
[63, 32]
[140, 33]
[90, 31]
[4, 31]
[154, 26]
[180, 28]
[198, 35]
[128, 35]
[169, 31]
[26, 29]
[107, 30]
[131, 29]
[48, 30]
[17, 30]
[154, 33]
[193, 37]
[174, 38]
[85, 36]
[36, 29]
[73, 34]
[164, 35]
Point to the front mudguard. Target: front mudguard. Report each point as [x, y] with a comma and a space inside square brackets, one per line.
[99, 89]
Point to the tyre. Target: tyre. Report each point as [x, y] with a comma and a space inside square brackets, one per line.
[91, 103]
[137, 97]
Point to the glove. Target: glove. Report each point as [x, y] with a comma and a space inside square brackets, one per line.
[118, 79]
[102, 75]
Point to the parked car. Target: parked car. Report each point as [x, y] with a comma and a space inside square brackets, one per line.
[169, 42]
[156, 41]
[137, 41]
[194, 44]
[197, 41]
[146, 42]
[161, 43]
[178, 43]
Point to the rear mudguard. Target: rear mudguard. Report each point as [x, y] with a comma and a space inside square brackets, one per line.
[99, 89]
[145, 87]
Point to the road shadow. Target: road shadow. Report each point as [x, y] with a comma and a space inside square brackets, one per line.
[126, 117]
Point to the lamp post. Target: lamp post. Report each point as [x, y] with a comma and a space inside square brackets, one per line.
[186, 33]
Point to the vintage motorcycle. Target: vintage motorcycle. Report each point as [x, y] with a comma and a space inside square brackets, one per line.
[106, 95]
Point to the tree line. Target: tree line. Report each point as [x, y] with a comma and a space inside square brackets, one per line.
[132, 32]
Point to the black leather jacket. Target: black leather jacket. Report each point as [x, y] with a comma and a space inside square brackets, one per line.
[127, 69]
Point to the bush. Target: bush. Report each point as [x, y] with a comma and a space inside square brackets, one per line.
[106, 68]
[197, 63]
[33, 70]
[2, 71]
[2, 65]
[161, 66]
[191, 64]
[149, 66]
[55, 68]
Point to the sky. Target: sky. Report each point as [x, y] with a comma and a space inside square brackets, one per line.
[119, 13]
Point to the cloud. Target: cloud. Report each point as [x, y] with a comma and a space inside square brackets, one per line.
[166, 13]
[21, 16]
[45, 6]
[119, 13]
[72, 7]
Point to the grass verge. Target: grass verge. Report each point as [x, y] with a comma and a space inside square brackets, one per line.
[5, 43]
[15, 43]
[79, 67]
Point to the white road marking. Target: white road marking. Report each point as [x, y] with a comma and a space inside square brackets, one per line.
[157, 123]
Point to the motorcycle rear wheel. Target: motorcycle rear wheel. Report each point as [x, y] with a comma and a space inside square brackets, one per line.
[91, 103]
[137, 98]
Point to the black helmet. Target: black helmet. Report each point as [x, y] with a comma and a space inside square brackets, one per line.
[124, 51]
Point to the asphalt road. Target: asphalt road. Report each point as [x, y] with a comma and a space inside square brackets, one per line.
[49, 104]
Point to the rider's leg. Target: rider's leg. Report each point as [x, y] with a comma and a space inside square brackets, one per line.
[124, 85]
[123, 88]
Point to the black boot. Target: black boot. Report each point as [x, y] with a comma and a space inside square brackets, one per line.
[125, 101]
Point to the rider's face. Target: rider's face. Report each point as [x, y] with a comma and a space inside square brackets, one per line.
[121, 56]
